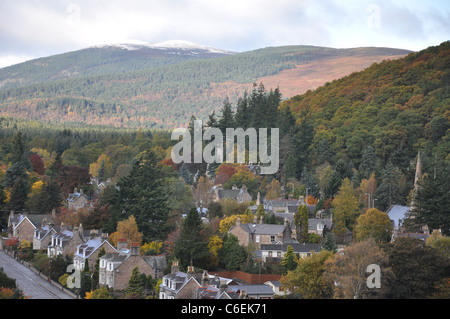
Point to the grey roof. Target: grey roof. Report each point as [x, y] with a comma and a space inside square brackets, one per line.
[253, 289]
[312, 223]
[35, 219]
[74, 196]
[397, 214]
[157, 262]
[263, 229]
[228, 193]
[298, 247]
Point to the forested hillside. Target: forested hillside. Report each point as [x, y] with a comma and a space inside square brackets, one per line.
[156, 93]
[377, 121]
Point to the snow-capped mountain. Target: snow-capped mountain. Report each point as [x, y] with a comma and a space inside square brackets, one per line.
[174, 46]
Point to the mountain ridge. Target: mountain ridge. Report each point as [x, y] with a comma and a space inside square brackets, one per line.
[150, 88]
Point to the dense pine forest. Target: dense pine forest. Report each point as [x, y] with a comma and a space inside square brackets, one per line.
[151, 92]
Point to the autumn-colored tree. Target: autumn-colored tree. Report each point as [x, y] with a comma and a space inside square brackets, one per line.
[274, 190]
[102, 168]
[100, 293]
[311, 200]
[349, 271]
[440, 243]
[373, 224]
[224, 173]
[203, 193]
[346, 208]
[367, 190]
[153, 247]
[226, 223]
[37, 163]
[128, 229]
[308, 280]
[215, 244]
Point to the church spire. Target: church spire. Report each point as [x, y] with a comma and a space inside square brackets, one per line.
[418, 176]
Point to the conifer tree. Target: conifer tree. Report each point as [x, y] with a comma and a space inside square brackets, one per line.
[135, 287]
[191, 248]
[301, 223]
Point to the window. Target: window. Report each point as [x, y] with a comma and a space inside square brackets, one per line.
[272, 239]
[257, 238]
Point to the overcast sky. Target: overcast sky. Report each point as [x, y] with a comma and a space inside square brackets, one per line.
[31, 29]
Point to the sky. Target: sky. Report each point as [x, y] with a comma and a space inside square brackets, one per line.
[31, 29]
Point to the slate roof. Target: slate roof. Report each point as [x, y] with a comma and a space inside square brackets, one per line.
[263, 229]
[397, 214]
[298, 247]
[252, 289]
[74, 196]
[312, 223]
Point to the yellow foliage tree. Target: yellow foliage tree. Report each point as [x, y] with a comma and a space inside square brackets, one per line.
[128, 229]
[226, 223]
[104, 159]
[274, 191]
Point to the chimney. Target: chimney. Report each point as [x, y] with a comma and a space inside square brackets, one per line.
[122, 243]
[63, 226]
[238, 221]
[205, 278]
[190, 271]
[258, 199]
[261, 218]
[135, 249]
[175, 267]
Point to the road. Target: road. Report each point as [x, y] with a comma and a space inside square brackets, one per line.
[32, 285]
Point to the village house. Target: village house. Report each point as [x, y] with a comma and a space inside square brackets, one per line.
[274, 253]
[239, 195]
[116, 268]
[23, 226]
[260, 233]
[179, 285]
[66, 240]
[43, 235]
[88, 252]
[77, 200]
[277, 287]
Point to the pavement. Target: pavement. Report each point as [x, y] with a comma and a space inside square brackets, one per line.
[32, 285]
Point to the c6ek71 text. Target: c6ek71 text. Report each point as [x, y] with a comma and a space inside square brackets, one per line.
[239, 308]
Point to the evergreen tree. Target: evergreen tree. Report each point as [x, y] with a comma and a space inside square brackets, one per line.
[135, 287]
[392, 187]
[226, 120]
[242, 117]
[329, 243]
[301, 223]
[289, 261]
[290, 167]
[368, 163]
[432, 201]
[232, 255]
[191, 248]
[143, 195]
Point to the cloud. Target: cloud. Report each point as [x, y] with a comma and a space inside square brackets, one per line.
[39, 28]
